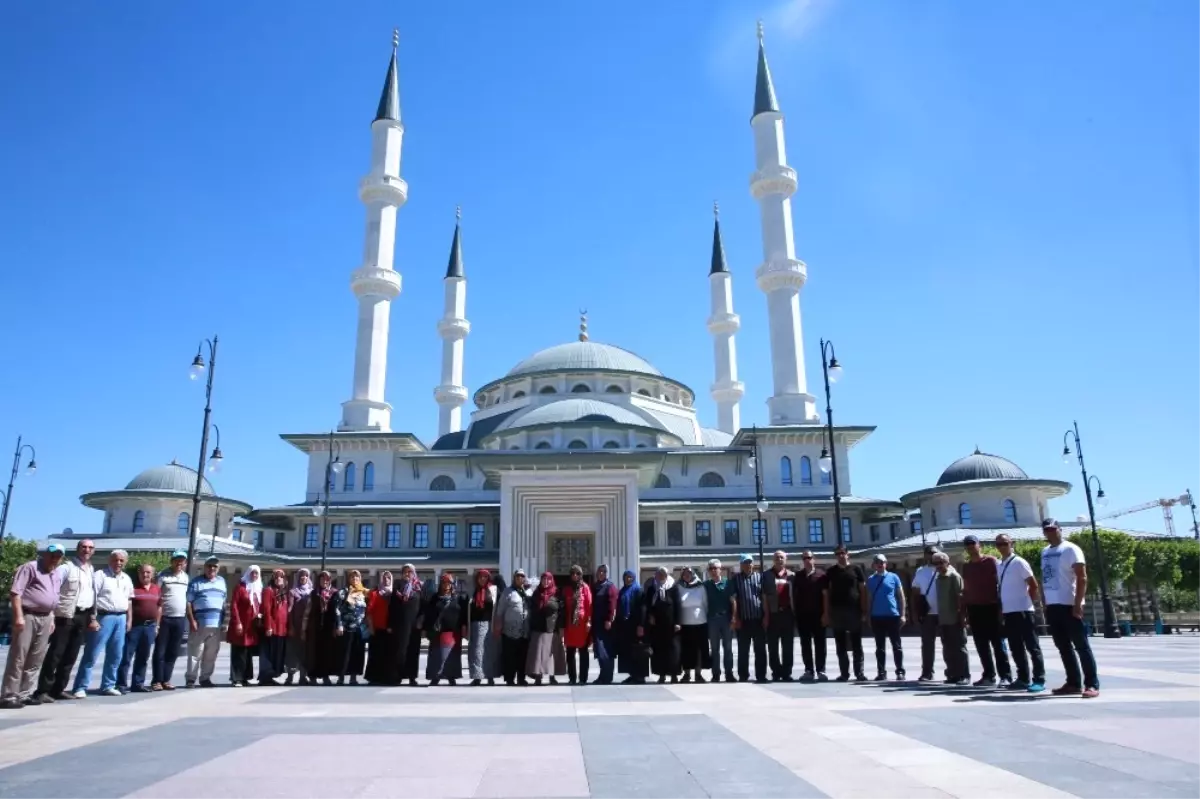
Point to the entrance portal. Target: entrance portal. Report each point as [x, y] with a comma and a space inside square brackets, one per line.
[565, 550]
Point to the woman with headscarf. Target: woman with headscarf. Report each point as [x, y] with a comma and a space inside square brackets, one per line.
[577, 607]
[320, 626]
[483, 648]
[510, 626]
[546, 621]
[445, 622]
[693, 625]
[404, 612]
[276, 604]
[627, 631]
[604, 611]
[351, 630]
[245, 621]
[662, 625]
[297, 610]
[381, 641]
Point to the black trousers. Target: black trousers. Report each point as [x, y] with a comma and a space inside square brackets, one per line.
[580, 652]
[812, 641]
[987, 629]
[270, 657]
[61, 652]
[751, 633]
[241, 663]
[929, 637]
[781, 643]
[1070, 637]
[887, 628]
[1021, 631]
[171, 632]
[513, 652]
[849, 643]
[954, 651]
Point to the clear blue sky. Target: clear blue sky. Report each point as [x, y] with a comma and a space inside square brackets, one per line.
[997, 205]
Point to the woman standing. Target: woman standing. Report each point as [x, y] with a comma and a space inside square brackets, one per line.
[662, 625]
[445, 621]
[604, 612]
[404, 611]
[545, 629]
[510, 626]
[245, 619]
[351, 628]
[693, 623]
[627, 630]
[276, 605]
[483, 649]
[381, 650]
[320, 626]
[297, 611]
[577, 605]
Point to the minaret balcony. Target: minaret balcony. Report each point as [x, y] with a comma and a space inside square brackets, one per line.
[722, 323]
[785, 273]
[377, 189]
[777, 179]
[453, 328]
[454, 396]
[374, 281]
[727, 391]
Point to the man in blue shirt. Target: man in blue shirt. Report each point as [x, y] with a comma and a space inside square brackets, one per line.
[205, 612]
[886, 592]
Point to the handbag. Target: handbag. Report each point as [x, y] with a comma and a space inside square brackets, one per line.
[923, 607]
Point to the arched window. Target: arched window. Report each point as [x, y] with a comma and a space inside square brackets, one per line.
[827, 478]
[933, 517]
[1010, 511]
[581, 388]
[615, 390]
[964, 515]
[348, 480]
[644, 392]
[805, 471]
[369, 477]
[139, 521]
[442, 483]
[712, 480]
[785, 470]
[183, 522]
[611, 445]
[662, 481]
[543, 445]
[577, 444]
[547, 390]
[518, 394]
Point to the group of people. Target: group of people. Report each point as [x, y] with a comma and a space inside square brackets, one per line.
[310, 632]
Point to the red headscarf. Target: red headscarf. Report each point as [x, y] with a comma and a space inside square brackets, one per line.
[544, 593]
[481, 591]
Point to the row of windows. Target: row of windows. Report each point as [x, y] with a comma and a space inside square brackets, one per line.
[964, 514]
[350, 475]
[732, 535]
[806, 473]
[393, 536]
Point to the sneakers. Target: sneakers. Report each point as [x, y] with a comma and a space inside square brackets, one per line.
[1067, 690]
[881, 677]
[1005, 682]
[985, 682]
[843, 678]
[925, 678]
[1037, 687]
[860, 677]
[822, 677]
[10, 704]
[80, 694]
[1018, 685]
[1090, 693]
[112, 692]
[900, 676]
[962, 683]
[807, 676]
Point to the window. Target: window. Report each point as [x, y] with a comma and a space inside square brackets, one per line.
[873, 530]
[1010, 511]
[758, 527]
[477, 535]
[805, 471]
[816, 531]
[646, 532]
[581, 388]
[391, 536]
[182, 523]
[280, 540]
[914, 527]
[787, 531]
[703, 533]
[420, 536]
[846, 531]
[577, 444]
[674, 533]
[547, 390]
[369, 477]
[712, 480]
[733, 533]
[615, 390]
[543, 445]
[312, 535]
[449, 535]
[611, 445]
[256, 539]
[337, 536]
[662, 481]
[964, 515]
[827, 478]
[644, 392]
[893, 530]
[442, 483]
[139, 521]
[237, 534]
[518, 394]
[785, 470]
[348, 479]
[366, 536]
[933, 517]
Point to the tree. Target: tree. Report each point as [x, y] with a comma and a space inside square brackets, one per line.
[15, 553]
[1116, 548]
[1155, 565]
[1189, 565]
[159, 560]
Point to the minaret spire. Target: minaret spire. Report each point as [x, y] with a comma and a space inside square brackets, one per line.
[718, 251]
[453, 328]
[389, 99]
[764, 89]
[723, 324]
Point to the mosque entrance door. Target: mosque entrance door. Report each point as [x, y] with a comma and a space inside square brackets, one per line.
[570, 549]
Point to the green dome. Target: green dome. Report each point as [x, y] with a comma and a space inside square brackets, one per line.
[172, 477]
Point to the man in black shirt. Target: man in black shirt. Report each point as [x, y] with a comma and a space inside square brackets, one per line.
[846, 611]
[809, 600]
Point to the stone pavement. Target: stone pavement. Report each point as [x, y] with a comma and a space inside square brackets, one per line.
[1141, 738]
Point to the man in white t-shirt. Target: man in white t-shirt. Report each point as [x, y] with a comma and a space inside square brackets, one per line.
[1064, 584]
[1018, 592]
[923, 601]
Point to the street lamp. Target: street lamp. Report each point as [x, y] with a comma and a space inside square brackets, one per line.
[198, 368]
[760, 502]
[832, 370]
[1110, 619]
[30, 468]
[332, 466]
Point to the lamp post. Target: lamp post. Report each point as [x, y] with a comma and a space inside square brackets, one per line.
[831, 370]
[760, 502]
[30, 468]
[198, 368]
[1110, 619]
[332, 466]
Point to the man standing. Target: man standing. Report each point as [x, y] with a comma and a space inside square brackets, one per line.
[749, 622]
[34, 596]
[887, 616]
[145, 608]
[71, 619]
[1064, 585]
[925, 608]
[846, 609]
[722, 610]
[779, 618]
[952, 618]
[205, 613]
[110, 623]
[809, 604]
[981, 591]
[1018, 592]
[173, 625]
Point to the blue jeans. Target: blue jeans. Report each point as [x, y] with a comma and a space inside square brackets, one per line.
[138, 643]
[110, 638]
[602, 644]
[720, 633]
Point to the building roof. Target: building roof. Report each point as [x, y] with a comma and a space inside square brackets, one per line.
[711, 437]
[583, 356]
[389, 98]
[171, 477]
[764, 89]
[981, 466]
[575, 409]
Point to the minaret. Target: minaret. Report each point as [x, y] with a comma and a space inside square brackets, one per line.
[726, 390]
[781, 275]
[375, 283]
[453, 327]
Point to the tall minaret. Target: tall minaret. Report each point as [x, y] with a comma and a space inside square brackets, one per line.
[453, 327]
[375, 283]
[781, 275]
[726, 390]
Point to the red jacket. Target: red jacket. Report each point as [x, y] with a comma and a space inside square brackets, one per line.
[243, 620]
[578, 635]
[275, 612]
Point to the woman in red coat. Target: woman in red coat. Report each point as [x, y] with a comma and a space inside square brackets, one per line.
[577, 607]
[245, 619]
[276, 605]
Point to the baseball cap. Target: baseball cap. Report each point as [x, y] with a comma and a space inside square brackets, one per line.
[880, 558]
[971, 540]
[212, 561]
[930, 549]
[54, 549]
[1047, 523]
[179, 553]
[746, 559]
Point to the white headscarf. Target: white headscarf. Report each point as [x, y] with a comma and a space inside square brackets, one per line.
[254, 587]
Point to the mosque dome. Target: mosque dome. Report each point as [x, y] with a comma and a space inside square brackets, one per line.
[981, 466]
[583, 356]
[171, 477]
[572, 410]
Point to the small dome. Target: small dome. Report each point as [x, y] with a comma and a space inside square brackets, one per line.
[583, 356]
[981, 466]
[172, 477]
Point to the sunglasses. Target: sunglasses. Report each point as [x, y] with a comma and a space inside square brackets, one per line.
[806, 557]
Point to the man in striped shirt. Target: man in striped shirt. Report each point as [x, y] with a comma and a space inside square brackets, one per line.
[749, 622]
[205, 612]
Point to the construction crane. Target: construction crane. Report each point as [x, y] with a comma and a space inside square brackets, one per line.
[1166, 505]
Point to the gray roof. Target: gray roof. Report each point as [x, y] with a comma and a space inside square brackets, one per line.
[389, 99]
[710, 437]
[171, 477]
[718, 251]
[575, 409]
[764, 89]
[583, 356]
[981, 466]
[153, 543]
[450, 441]
[455, 269]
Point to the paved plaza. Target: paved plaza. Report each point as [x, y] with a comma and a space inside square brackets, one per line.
[1141, 738]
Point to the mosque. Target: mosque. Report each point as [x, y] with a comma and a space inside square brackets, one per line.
[583, 453]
